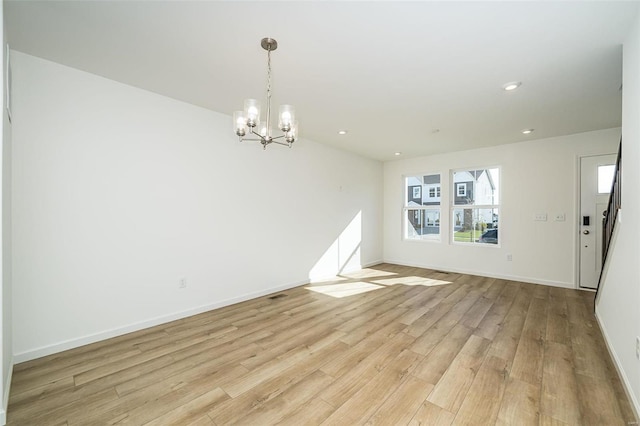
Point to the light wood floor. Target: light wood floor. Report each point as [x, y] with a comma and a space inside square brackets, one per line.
[420, 347]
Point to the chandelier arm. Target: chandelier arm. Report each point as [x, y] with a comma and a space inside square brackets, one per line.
[253, 132]
[282, 143]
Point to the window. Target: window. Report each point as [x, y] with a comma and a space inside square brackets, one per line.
[475, 211]
[434, 192]
[422, 207]
[605, 178]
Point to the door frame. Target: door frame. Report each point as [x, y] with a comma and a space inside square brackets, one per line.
[577, 224]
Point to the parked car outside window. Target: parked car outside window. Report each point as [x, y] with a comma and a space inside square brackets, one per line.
[489, 237]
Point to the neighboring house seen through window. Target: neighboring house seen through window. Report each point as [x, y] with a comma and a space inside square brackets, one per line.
[422, 207]
[475, 211]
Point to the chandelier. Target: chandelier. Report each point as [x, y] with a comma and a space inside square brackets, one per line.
[248, 121]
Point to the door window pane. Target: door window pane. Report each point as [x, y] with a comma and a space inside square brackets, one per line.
[605, 178]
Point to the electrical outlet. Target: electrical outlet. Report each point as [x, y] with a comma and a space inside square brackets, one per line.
[509, 258]
[638, 347]
[182, 283]
[540, 217]
[560, 217]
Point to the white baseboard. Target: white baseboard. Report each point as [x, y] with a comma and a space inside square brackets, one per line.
[107, 334]
[5, 399]
[635, 405]
[489, 274]
[374, 263]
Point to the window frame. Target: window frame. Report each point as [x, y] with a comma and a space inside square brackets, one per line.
[422, 208]
[495, 207]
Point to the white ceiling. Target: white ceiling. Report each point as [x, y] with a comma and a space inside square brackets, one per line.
[416, 77]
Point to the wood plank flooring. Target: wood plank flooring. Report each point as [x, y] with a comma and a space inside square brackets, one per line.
[388, 345]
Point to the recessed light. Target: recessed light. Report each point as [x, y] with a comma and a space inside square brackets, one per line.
[527, 131]
[511, 86]
[342, 132]
[397, 153]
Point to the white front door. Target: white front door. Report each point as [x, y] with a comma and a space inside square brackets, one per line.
[596, 175]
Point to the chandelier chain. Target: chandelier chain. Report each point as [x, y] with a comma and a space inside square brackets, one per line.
[269, 73]
[268, 135]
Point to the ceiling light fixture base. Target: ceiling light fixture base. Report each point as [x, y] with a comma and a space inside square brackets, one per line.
[269, 44]
[509, 87]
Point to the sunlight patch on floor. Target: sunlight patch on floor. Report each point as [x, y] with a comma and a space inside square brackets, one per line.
[330, 279]
[345, 290]
[362, 274]
[370, 273]
[411, 281]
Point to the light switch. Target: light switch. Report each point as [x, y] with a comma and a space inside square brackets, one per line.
[540, 217]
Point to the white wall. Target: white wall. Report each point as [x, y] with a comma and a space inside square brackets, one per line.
[619, 298]
[118, 193]
[538, 176]
[6, 332]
